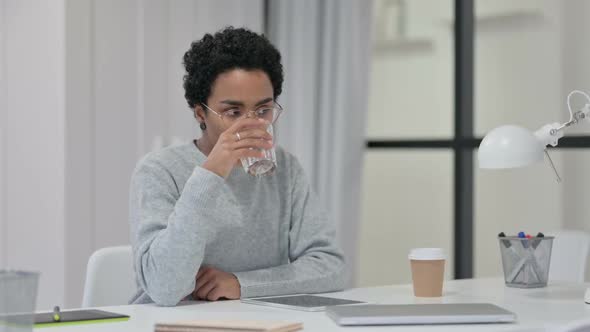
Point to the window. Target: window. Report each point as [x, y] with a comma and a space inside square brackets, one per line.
[444, 74]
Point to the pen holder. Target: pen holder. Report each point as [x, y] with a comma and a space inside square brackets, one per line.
[526, 261]
[18, 294]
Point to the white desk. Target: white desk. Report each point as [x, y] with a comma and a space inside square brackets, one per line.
[536, 309]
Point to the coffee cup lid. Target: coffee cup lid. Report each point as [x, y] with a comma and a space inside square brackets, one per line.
[425, 254]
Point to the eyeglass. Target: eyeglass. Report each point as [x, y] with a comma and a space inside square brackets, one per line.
[268, 113]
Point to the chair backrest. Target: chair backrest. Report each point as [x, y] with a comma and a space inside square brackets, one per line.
[110, 279]
[582, 325]
[569, 255]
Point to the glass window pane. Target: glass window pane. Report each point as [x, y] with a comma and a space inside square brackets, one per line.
[523, 199]
[528, 58]
[518, 64]
[576, 196]
[411, 79]
[407, 203]
[576, 182]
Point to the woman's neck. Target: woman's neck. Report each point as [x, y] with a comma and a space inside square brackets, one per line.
[203, 145]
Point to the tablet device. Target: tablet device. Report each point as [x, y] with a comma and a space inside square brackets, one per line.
[408, 314]
[74, 317]
[303, 302]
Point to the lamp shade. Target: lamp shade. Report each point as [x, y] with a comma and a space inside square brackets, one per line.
[509, 147]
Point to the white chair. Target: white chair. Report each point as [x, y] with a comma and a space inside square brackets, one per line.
[582, 325]
[110, 279]
[569, 255]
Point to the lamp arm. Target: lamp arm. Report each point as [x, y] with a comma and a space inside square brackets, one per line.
[549, 134]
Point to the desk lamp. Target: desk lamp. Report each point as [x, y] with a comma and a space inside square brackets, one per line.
[513, 146]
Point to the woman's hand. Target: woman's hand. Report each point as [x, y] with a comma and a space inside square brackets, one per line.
[213, 284]
[244, 139]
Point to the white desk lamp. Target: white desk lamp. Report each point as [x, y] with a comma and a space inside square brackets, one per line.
[513, 146]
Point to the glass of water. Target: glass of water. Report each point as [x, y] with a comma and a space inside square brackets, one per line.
[265, 165]
[270, 113]
[18, 294]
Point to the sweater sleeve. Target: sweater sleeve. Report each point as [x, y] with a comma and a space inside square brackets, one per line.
[316, 262]
[169, 230]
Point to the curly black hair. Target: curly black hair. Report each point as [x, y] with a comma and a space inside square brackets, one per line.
[229, 48]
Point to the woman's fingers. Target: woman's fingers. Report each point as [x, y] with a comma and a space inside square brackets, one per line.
[247, 138]
[253, 133]
[202, 270]
[214, 294]
[205, 289]
[204, 278]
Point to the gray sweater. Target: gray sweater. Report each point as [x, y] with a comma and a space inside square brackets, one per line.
[270, 232]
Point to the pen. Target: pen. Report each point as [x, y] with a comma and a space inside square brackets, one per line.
[538, 240]
[506, 243]
[56, 314]
[524, 241]
[510, 250]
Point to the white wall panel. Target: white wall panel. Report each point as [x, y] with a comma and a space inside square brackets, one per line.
[34, 97]
[2, 124]
[79, 183]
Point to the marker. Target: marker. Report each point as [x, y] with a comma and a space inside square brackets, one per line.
[56, 314]
[525, 243]
[538, 240]
[506, 243]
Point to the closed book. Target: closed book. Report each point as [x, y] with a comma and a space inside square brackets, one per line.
[228, 326]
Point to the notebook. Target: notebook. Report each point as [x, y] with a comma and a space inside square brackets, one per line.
[228, 326]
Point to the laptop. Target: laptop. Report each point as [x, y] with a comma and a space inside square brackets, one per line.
[415, 314]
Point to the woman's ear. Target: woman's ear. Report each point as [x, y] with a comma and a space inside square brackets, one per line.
[199, 114]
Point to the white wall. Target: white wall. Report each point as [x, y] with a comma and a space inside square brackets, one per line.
[2, 124]
[79, 185]
[2, 218]
[91, 85]
[33, 46]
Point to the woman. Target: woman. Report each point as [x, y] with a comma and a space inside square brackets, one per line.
[204, 229]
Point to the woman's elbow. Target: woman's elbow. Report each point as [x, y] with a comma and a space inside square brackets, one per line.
[340, 281]
[339, 276]
[165, 298]
[165, 290]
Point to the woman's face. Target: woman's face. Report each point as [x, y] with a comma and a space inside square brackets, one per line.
[236, 90]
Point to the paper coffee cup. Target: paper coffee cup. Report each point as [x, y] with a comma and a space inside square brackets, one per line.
[428, 268]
